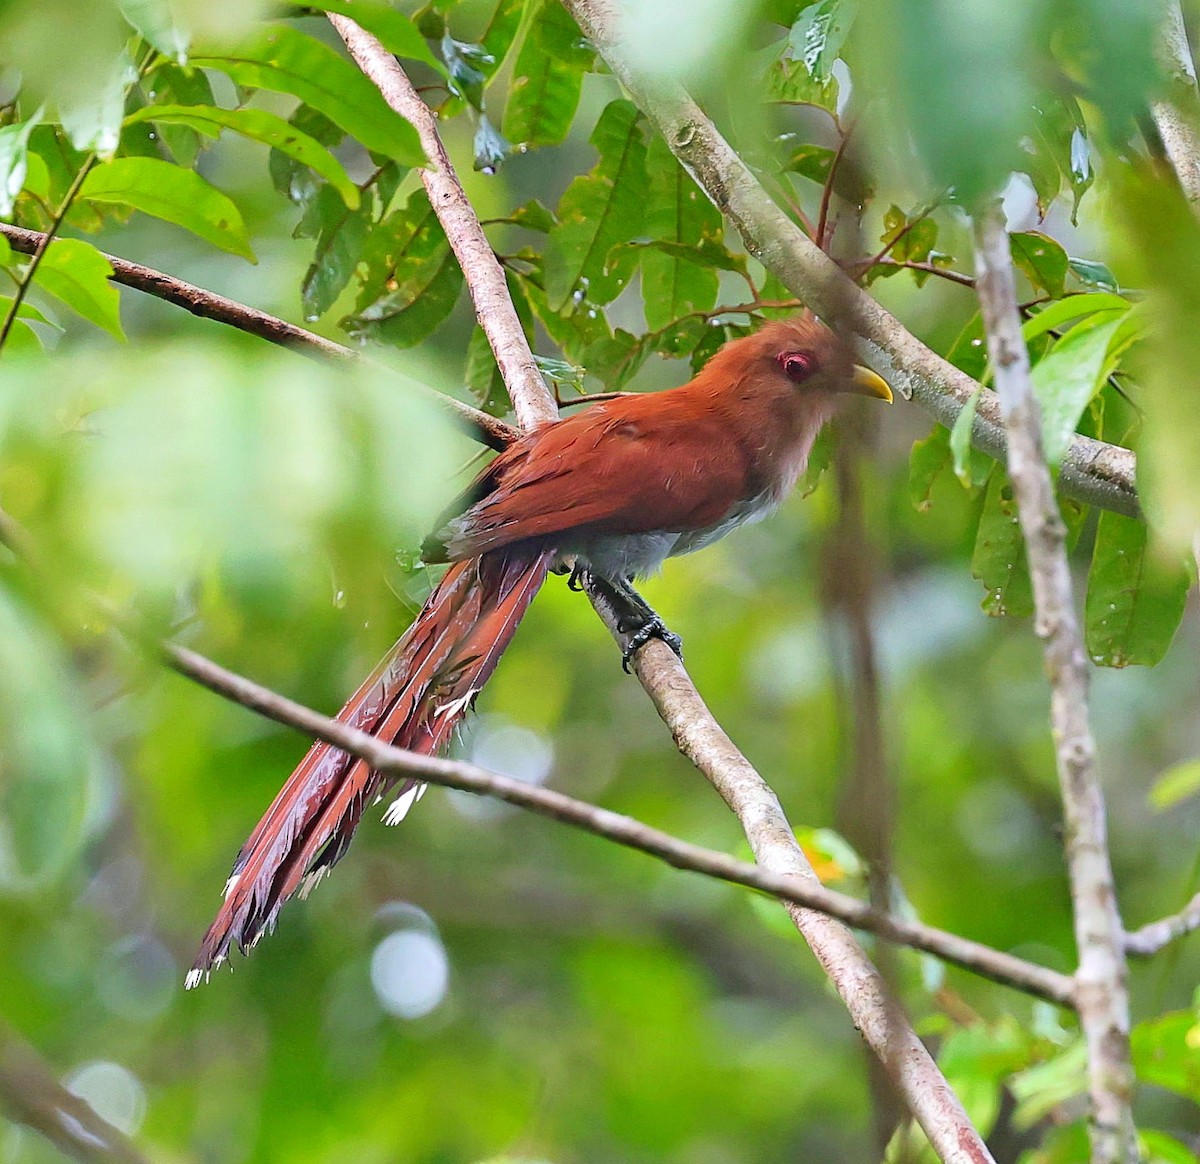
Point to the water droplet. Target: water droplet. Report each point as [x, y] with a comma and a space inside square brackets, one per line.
[339, 600]
[975, 343]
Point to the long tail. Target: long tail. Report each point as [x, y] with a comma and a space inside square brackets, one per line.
[414, 698]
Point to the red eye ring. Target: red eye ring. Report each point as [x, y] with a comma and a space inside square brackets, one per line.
[797, 366]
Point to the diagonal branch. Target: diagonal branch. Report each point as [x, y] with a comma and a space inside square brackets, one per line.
[623, 830]
[1094, 472]
[1101, 977]
[1177, 112]
[1149, 939]
[209, 305]
[697, 734]
[30, 1094]
[485, 277]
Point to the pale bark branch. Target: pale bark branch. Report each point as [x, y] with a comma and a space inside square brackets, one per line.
[887, 1030]
[1094, 472]
[1177, 112]
[1102, 996]
[876, 1014]
[1149, 939]
[31, 1095]
[485, 277]
[623, 830]
[209, 305]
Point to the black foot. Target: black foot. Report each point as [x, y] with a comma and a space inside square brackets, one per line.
[636, 618]
[653, 628]
[578, 578]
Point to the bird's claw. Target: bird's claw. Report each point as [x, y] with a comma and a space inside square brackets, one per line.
[652, 628]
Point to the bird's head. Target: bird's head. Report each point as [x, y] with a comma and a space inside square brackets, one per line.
[805, 354]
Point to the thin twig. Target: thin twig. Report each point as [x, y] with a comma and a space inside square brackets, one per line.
[494, 309]
[623, 830]
[1149, 939]
[1094, 472]
[209, 305]
[952, 276]
[31, 1095]
[14, 307]
[826, 243]
[1101, 977]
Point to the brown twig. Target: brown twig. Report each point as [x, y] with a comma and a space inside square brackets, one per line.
[860, 269]
[208, 305]
[825, 243]
[1101, 977]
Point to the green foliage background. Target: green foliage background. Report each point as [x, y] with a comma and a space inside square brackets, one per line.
[566, 1000]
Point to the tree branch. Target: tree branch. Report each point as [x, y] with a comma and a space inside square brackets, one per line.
[887, 1030]
[1176, 115]
[30, 1094]
[1101, 977]
[485, 278]
[491, 430]
[1094, 472]
[859, 984]
[623, 830]
[1147, 941]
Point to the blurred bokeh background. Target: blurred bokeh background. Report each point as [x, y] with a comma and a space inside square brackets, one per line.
[480, 984]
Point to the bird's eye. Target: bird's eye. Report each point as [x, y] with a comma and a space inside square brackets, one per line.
[797, 366]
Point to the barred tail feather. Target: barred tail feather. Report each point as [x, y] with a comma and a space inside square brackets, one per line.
[414, 698]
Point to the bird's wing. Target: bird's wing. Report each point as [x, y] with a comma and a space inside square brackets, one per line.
[627, 466]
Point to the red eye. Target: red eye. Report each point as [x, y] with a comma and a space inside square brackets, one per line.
[797, 366]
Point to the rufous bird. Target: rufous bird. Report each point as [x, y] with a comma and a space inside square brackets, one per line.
[618, 488]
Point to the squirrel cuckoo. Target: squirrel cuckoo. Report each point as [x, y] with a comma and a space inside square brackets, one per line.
[618, 487]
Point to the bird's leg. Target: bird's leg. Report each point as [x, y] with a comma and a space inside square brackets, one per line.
[636, 618]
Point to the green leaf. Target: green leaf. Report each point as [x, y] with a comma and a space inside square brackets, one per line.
[501, 32]
[93, 123]
[152, 19]
[1057, 151]
[1054, 315]
[810, 161]
[1135, 600]
[1042, 260]
[547, 78]
[341, 236]
[170, 84]
[998, 560]
[791, 83]
[173, 194]
[395, 31]
[14, 160]
[6, 251]
[1176, 784]
[1158, 1148]
[1094, 274]
[817, 37]
[286, 61]
[75, 272]
[412, 279]
[257, 125]
[930, 456]
[969, 468]
[597, 212]
[681, 214]
[1066, 379]
[1164, 1052]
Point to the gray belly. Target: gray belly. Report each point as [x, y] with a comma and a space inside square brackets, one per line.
[637, 555]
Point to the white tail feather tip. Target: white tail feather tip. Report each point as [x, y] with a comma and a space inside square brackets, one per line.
[398, 809]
